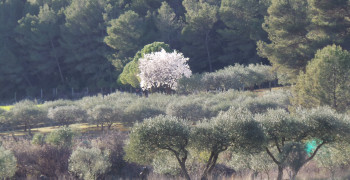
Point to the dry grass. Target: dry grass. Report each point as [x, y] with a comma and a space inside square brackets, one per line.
[7, 108]
[81, 127]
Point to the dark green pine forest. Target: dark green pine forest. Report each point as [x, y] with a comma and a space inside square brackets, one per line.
[85, 44]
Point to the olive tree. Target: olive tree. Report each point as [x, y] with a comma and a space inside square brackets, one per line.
[28, 114]
[105, 115]
[258, 163]
[89, 164]
[333, 156]
[235, 129]
[287, 133]
[66, 115]
[187, 108]
[8, 163]
[159, 134]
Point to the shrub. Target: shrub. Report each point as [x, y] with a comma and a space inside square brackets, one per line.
[8, 163]
[62, 137]
[189, 85]
[57, 103]
[113, 142]
[38, 139]
[89, 163]
[33, 161]
[65, 115]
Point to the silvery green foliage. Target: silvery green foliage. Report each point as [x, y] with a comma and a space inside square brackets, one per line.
[27, 113]
[238, 77]
[333, 156]
[269, 100]
[260, 162]
[90, 102]
[325, 124]
[4, 124]
[141, 109]
[56, 103]
[165, 164]
[235, 129]
[62, 137]
[162, 69]
[38, 139]
[161, 133]
[189, 108]
[89, 164]
[65, 115]
[286, 133]
[8, 163]
[190, 85]
[105, 115]
[281, 97]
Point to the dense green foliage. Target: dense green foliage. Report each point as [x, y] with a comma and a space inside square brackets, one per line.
[298, 28]
[75, 48]
[326, 80]
[77, 44]
[131, 70]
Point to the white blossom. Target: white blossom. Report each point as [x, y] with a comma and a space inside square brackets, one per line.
[163, 69]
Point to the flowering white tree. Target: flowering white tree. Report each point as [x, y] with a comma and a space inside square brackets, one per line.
[163, 70]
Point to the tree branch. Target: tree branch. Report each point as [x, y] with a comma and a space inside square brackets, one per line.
[277, 145]
[271, 155]
[314, 153]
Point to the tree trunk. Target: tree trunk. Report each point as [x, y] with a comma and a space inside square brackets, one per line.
[184, 170]
[208, 52]
[57, 62]
[109, 126]
[294, 175]
[280, 172]
[182, 163]
[101, 126]
[210, 166]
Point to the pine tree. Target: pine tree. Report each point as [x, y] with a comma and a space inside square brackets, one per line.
[12, 77]
[326, 80]
[124, 36]
[85, 53]
[168, 23]
[200, 19]
[38, 35]
[330, 22]
[289, 49]
[243, 27]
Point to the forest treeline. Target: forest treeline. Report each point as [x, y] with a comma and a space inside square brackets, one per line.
[86, 44]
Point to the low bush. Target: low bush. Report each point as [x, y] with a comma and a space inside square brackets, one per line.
[8, 163]
[89, 164]
[113, 142]
[38, 139]
[34, 161]
[62, 137]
